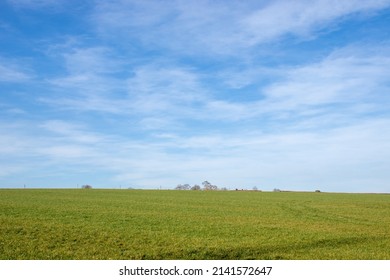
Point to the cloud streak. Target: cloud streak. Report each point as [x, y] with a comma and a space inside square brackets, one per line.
[146, 94]
[222, 28]
[12, 72]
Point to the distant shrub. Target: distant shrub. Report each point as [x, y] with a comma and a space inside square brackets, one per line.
[183, 187]
[195, 188]
[86, 187]
[277, 190]
[317, 191]
[209, 187]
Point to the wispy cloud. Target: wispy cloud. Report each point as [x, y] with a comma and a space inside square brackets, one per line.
[330, 158]
[96, 60]
[162, 93]
[350, 79]
[146, 93]
[222, 28]
[12, 72]
[301, 18]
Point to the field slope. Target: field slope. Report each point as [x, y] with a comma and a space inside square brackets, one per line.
[144, 224]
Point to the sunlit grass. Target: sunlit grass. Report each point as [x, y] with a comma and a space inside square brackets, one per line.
[140, 224]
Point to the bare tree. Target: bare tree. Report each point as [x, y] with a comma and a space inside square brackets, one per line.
[183, 187]
[209, 187]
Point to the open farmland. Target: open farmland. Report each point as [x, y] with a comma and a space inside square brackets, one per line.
[145, 224]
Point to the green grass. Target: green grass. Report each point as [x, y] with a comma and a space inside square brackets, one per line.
[141, 224]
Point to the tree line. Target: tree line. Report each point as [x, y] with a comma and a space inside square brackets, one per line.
[207, 186]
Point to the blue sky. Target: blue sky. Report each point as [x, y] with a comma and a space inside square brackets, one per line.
[274, 94]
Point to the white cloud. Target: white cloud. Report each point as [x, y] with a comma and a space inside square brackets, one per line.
[73, 133]
[151, 91]
[90, 82]
[96, 60]
[293, 159]
[347, 84]
[300, 18]
[168, 89]
[151, 99]
[354, 79]
[10, 72]
[229, 27]
[162, 95]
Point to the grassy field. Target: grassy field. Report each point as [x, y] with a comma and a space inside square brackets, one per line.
[141, 224]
